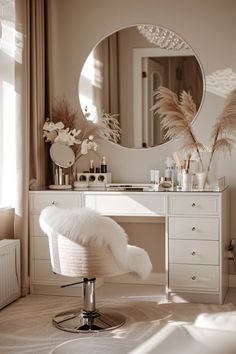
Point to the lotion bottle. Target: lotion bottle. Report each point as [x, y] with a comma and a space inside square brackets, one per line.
[103, 165]
[91, 168]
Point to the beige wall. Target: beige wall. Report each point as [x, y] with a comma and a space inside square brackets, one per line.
[6, 223]
[209, 27]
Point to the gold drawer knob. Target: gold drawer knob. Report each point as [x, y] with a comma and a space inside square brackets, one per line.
[193, 253]
[193, 205]
[193, 277]
[193, 228]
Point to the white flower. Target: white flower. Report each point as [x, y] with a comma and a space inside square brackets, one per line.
[84, 147]
[88, 145]
[92, 145]
[65, 137]
[50, 126]
[50, 136]
[55, 132]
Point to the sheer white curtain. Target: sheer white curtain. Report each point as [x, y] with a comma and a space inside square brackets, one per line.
[23, 89]
[8, 99]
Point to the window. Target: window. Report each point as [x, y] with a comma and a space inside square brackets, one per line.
[7, 104]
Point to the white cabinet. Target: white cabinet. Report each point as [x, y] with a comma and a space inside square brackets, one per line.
[196, 234]
[197, 240]
[42, 279]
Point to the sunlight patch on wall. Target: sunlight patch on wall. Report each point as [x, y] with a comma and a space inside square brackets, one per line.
[91, 80]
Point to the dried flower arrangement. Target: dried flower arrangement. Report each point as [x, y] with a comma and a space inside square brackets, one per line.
[83, 139]
[177, 115]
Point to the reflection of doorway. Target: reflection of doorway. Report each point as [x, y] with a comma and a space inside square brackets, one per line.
[153, 77]
[143, 131]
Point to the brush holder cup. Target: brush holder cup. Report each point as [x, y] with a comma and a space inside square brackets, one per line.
[92, 180]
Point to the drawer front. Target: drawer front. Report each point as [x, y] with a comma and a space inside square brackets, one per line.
[127, 204]
[193, 228]
[63, 200]
[194, 252]
[194, 205]
[41, 248]
[193, 277]
[35, 229]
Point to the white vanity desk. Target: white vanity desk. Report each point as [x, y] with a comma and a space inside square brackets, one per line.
[196, 236]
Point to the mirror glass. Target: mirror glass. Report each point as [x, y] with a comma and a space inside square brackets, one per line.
[62, 155]
[122, 72]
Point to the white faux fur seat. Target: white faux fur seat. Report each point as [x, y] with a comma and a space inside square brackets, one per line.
[85, 244]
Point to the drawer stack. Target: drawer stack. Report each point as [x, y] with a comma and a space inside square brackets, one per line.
[40, 267]
[194, 244]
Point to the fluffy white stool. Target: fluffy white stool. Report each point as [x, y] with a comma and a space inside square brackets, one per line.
[85, 244]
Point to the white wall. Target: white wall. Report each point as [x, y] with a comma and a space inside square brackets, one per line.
[209, 27]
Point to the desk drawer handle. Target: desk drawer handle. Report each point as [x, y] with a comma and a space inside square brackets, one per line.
[194, 253]
[193, 277]
[53, 202]
[193, 205]
[193, 228]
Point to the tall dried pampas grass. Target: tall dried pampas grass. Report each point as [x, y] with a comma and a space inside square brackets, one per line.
[176, 116]
[224, 130]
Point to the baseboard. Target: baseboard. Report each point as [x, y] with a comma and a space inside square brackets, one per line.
[153, 279]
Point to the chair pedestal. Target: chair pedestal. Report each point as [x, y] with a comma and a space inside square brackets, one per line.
[88, 319]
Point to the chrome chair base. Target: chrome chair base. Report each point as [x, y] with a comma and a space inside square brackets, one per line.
[77, 321]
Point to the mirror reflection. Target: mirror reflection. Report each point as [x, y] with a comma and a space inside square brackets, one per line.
[122, 72]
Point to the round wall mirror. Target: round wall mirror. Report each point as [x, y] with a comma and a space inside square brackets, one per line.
[125, 68]
[62, 155]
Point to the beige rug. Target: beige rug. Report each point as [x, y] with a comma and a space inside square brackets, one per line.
[25, 326]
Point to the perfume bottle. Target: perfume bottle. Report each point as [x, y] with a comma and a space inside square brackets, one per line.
[103, 165]
[91, 168]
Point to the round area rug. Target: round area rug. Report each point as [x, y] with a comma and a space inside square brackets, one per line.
[95, 345]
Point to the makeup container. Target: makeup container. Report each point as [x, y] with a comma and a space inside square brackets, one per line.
[165, 182]
[187, 181]
[103, 165]
[155, 176]
[152, 176]
[91, 168]
[200, 180]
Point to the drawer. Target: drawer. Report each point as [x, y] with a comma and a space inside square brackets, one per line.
[43, 272]
[194, 205]
[194, 228]
[41, 248]
[193, 277]
[39, 201]
[127, 203]
[194, 252]
[35, 229]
